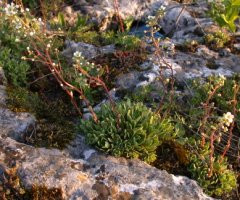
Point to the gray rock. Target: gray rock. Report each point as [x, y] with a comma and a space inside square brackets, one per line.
[3, 95]
[15, 124]
[88, 51]
[206, 53]
[102, 12]
[190, 65]
[237, 46]
[177, 23]
[128, 81]
[176, 19]
[225, 52]
[12, 124]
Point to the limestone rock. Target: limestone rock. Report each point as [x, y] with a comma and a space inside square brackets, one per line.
[88, 51]
[102, 12]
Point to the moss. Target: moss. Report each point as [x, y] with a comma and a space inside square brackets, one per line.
[217, 39]
[53, 128]
[120, 62]
[41, 192]
[188, 46]
[173, 158]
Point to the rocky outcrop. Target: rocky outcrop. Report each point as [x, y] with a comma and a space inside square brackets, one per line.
[102, 12]
[180, 22]
[83, 173]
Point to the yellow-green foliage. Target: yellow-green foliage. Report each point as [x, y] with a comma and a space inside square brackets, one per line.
[14, 68]
[139, 134]
[222, 181]
[225, 13]
[217, 39]
[222, 100]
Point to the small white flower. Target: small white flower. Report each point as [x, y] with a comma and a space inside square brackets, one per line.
[151, 17]
[77, 54]
[222, 77]
[162, 7]
[48, 45]
[10, 9]
[18, 26]
[227, 118]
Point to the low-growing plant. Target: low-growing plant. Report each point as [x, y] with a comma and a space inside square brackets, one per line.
[127, 42]
[217, 39]
[15, 68]
[210, 120]
[222, 99]
[223, 180]
[136, 134]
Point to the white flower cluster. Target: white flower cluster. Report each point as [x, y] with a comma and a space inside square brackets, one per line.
[11, 9]
[78, 58]
[162, 8]
[77, 54]
[153, 20]
[227, 118]
[81, 62]
[221, 80]
[23, 28]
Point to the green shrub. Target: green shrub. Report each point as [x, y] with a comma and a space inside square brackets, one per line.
[15, 68]
[139, 134]
[223, 179]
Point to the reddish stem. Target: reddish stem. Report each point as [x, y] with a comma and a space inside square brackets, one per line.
[236, 89]
[116, 7]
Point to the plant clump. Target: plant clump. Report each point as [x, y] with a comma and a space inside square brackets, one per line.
[133, 132]
[223, 180]
[217, 39]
